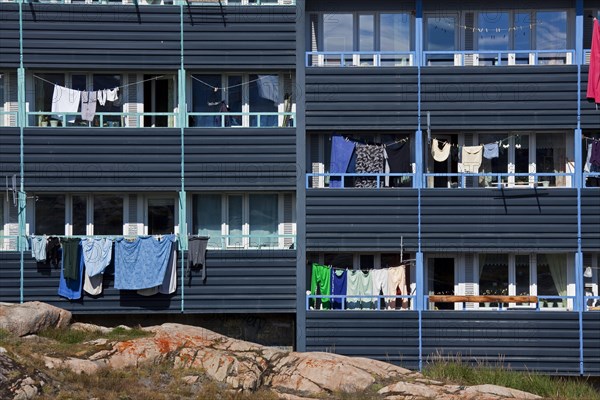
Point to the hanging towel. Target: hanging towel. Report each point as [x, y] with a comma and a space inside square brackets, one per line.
[71, 288]
[379, 278]
[341, 153]
[197, 254]
[141, 263]
[398, 155]
[588, 164]
[38, 248]
[88, 106]
[440, 155]
[397, 279]
[93, 285]
[369, 159]
[595, 157]
[112, 94]
[339, 284]
[471, 158]
[593, 88]
[71, 258]
[101, 95]
[320, 278]
[65, 100]
[359, 284]
[169, 285]
[490, 150]
[97, 254]
[53, 252]
[268, 87]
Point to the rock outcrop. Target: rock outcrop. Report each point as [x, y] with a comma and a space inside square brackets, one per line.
[32, 317]
[16, 382]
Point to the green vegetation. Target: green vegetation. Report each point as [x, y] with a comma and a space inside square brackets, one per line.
[461, 373]
[72, 336]
[3, 335]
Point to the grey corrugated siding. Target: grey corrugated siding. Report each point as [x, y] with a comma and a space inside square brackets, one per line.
[242, 37]
[521, 340]
[361, 98]
[116, 159]
[9, 35]
[9, 151]
[474, 219]
[591, 343]
[361, 219]
[528, 219]
[500, 98]
[390, 336]
[245, 281]
[590, 115]
[590, 219]
[524, 340]
[128, 37]
[239, 159]
[237, 282]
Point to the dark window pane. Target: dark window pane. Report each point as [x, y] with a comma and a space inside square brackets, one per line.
[207, 217]
[50, 215]
[79, 215]
[161, 216]
[108, 215]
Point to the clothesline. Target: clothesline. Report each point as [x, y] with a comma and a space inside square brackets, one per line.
[443, 141]
[227, 87]
[590, 138]
[116, 87]
[349, 138]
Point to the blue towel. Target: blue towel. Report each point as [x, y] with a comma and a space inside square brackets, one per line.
[339, 284]
[341, 153]
[71, 289]
[142, 263]
[96, 255]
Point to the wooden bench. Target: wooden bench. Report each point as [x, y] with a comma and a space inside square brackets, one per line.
[482, 299]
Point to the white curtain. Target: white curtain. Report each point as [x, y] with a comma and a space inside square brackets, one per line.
[557, 264]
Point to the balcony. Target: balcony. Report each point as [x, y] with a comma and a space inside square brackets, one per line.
[360, 59]
[497, 58]
[168, 2]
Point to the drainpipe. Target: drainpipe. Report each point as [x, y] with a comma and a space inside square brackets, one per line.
[181, 121]
[22, 197]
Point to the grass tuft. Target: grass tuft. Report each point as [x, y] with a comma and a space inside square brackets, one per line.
[461, 373]
[4, 334]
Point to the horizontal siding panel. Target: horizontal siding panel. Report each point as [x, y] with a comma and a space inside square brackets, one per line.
[127, 37]
[361, 219]
[239, 158]
[361, 98]
[495, 219]
[590, 219]
[237, 281]
[118, 159]
[502, 97]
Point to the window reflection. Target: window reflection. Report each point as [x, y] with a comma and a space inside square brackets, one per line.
[338, 32]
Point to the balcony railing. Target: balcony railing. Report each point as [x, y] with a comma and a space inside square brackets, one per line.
[360, 302]
[593, 175]
[168, 2]
[469, 180]
[497, 58]
[242, 119]
[102, 120]
[377, 181]
[251, 242]
[360, 59]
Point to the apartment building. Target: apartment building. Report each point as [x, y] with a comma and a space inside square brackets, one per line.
[267, 127]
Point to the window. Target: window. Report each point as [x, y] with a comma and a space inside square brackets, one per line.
[50, 215]
[160, 216]
[79, 204]
[349, 33]
[237, 94]
[108, 215]
[552, 278]
[242, 220]
[338, 32]
[44, 91]
[339, 260]
[4, 119]
[493, 274]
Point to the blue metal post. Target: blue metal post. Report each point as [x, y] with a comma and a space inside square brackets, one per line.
[419, 175]
[579, 288]
[182, 120]
[22, 198]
